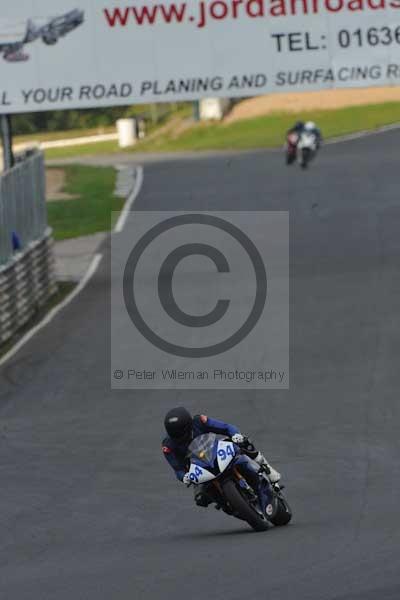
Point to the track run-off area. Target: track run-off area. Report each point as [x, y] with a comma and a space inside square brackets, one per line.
[89, 509]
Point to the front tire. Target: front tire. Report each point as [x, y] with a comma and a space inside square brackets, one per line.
[290, 158]
[283, 513]
[305, 158]
[243, 509]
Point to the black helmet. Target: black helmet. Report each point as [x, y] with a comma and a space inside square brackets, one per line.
[298, 125]
[178, 423]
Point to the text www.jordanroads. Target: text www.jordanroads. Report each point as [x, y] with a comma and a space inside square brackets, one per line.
[201, 13]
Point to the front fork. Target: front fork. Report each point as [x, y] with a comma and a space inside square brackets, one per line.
[252, 479]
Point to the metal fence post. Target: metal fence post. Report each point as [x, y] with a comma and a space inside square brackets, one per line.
[6, 137]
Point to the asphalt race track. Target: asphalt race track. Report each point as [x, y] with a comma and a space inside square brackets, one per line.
[89, 509]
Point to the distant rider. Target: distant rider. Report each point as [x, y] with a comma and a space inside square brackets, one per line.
[297, 128]
[309, 127]
[182, 428]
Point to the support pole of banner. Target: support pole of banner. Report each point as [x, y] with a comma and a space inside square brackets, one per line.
[6, 139]
[196, 110]
[154, 113]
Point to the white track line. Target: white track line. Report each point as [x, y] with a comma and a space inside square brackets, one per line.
[341, 139]
[361, 134]
[54, 312]
[129, 203]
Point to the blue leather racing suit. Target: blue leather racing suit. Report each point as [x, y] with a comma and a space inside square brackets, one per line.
[176, 454]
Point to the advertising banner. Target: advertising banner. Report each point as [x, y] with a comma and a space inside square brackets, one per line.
[60, 54]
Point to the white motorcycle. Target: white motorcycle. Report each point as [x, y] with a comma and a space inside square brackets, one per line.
[307, 147]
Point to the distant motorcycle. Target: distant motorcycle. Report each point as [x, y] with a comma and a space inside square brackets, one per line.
[291, 147]
[307, 148]
[302, 146]
[217, 462]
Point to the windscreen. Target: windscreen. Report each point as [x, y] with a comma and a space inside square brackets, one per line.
[203, 445]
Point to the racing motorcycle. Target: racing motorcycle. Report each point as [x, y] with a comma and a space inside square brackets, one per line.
[307, 148]
[291, 147]
[303, 145]
[218, 465]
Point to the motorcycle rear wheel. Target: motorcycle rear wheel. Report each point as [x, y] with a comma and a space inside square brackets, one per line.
[242, 507]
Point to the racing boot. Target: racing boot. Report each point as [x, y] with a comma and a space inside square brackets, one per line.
[273, 474]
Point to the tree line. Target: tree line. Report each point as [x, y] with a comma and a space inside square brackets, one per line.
[64, 120]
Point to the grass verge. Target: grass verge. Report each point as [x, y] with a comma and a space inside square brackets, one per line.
[91, 210]
[64, 289]
[94, 148]
[262, 132]
[269, 130]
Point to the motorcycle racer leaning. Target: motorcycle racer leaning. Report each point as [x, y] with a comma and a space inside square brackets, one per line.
[182, 428]
[309, 127]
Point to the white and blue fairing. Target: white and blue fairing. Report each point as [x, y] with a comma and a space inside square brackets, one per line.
[210, 455]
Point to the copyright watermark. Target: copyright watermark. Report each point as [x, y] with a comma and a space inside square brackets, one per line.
[201, 300]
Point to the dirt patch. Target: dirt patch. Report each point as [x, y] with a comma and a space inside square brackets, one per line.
[55, 183]
[322, 100]
[174, 128]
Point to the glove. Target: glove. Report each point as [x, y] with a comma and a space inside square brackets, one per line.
[238, 438]
[186, 479]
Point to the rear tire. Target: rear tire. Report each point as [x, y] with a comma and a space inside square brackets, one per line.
[283, 514]
[242, 507]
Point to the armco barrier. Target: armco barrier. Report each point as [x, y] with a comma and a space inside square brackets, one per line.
[27, 277]
[26, 283]
[22, 203]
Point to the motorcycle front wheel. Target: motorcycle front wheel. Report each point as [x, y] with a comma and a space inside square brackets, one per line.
[290, 158]
[241, 506]
[305, 158]
[283, 513]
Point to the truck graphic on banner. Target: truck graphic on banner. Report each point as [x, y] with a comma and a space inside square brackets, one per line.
[15, 34]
